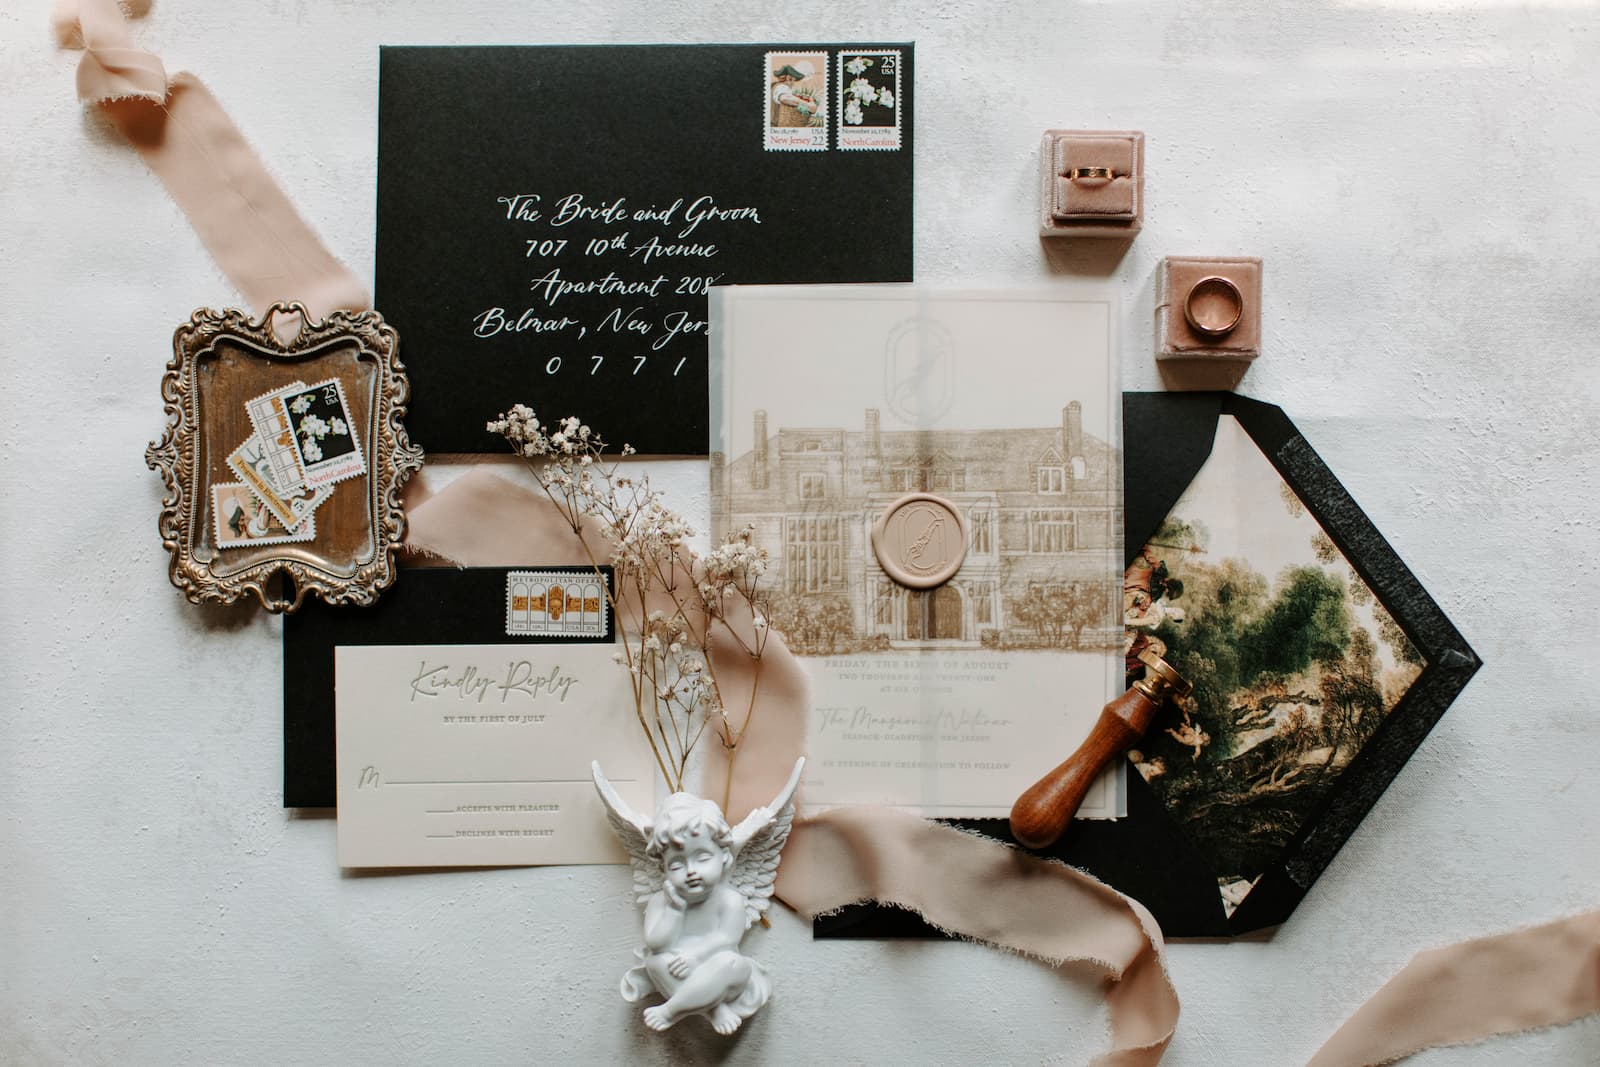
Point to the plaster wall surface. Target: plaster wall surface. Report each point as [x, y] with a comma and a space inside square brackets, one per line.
[1419, 178]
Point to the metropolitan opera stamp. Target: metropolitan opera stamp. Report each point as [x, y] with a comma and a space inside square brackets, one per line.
[557, 603]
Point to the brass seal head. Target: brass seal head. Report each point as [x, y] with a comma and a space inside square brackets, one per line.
[1161, 680]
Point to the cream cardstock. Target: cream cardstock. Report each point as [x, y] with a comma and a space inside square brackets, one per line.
[478, 755]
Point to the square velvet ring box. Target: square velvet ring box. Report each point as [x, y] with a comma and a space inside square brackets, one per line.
[1092, 183]
[1208, 309]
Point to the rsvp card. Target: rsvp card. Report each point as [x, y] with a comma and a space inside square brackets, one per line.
[478, 755]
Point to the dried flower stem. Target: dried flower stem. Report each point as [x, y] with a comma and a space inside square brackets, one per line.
[668, 653]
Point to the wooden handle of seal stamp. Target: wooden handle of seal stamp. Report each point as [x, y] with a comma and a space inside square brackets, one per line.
[1042, 814]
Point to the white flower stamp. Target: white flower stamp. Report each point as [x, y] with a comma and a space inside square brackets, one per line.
[794, 98]
[240, 518]
[870, 100]
[322, 432]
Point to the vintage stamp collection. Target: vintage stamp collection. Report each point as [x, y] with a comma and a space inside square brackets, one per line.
[304, 442]
[266, 417]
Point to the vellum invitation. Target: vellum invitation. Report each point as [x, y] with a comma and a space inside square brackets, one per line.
[831, 407]
[478, 755]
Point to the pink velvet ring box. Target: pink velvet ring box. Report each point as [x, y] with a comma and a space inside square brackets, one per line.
[1101, 206]
[1176, 338]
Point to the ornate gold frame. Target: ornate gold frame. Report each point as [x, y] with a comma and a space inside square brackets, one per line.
[220, 360]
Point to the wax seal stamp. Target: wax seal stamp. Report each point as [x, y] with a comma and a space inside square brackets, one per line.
[920, 540]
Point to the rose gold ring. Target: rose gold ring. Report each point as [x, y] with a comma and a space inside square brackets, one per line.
[1078, 174]
[1213, 306]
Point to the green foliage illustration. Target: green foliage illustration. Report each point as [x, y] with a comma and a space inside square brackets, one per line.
[1289, 684]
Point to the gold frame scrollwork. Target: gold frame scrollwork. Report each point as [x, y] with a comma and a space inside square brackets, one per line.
[187, 456]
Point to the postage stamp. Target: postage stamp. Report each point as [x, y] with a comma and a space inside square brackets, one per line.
[870, 100]
[557, 603]
[254, 463]
[277, 457]
[323, 433]
[794, 99]
[240, 518]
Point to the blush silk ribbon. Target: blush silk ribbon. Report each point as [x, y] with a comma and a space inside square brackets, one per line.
[187, 140]
[1462, 993]
[965, 885]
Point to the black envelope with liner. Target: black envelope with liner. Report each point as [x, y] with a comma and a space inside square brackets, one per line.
[1237, 807]
[549, 219]
[425, 606]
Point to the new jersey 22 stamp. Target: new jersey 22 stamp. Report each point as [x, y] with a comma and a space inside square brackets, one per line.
[795, 101]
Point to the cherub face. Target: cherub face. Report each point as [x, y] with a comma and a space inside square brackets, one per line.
[695, 869]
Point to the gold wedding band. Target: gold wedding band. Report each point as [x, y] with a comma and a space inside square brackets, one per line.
[1213, 306]
[1078, 174]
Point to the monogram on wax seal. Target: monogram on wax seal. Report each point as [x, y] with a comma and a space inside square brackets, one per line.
[920, 540]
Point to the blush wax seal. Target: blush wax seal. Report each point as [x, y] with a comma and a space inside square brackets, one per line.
[920, 540]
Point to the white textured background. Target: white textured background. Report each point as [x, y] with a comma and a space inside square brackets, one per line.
[1421, 179]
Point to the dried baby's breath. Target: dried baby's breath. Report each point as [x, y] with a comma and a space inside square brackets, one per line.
[667, 650]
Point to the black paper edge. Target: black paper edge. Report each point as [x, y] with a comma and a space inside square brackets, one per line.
[1450, 664]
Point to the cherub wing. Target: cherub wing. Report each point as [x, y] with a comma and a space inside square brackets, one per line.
[634, 831]
[757, 840]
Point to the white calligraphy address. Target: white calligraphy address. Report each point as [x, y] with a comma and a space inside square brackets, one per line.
[636, 237]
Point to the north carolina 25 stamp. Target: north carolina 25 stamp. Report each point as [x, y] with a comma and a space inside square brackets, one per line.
[324, 434]
[795, 100]
[870, 99]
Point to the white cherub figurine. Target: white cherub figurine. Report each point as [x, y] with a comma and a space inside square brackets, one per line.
[702, 884]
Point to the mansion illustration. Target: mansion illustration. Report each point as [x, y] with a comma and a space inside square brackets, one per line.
[1043, 534]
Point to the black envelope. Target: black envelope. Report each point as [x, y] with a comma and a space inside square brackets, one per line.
[426, 606]
[1149, 854]
[505, 289]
